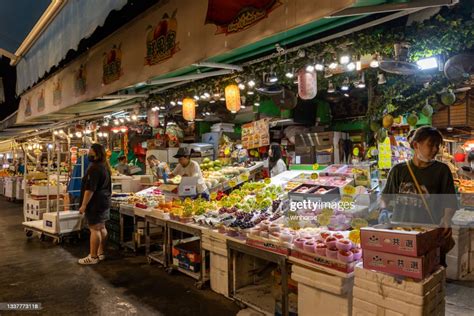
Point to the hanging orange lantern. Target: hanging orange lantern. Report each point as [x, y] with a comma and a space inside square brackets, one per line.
[232, 98]
[189, 109]
[307, 84]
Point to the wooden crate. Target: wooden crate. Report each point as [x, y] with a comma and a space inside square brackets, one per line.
[461, 114]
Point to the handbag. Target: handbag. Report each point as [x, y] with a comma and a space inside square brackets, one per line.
[447, 241]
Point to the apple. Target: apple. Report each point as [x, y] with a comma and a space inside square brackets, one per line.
[357, 253]
[331, 252]
[309, 246]
[331, 242]
[321, 249]
[299, 242]
[344, 244]
[324, 234]
[345, 256]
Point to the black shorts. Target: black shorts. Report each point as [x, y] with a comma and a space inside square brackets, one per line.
[94, 217]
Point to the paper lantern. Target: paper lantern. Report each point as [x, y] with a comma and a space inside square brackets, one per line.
[189, 109]
[153, 118]
[307, 84]
[232, 98]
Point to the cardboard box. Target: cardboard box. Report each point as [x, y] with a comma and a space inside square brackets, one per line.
[471, 261]
[408, 285]
[457, 267]
[62, 222]
[461, 246]
[313, 301]
[188, 256]
[408, 243]
[413, 267]
[320, 280]
[317, 260]
[471, 237]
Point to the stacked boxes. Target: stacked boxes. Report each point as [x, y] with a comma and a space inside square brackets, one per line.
[377, 293]
[401, 251]
[457, 259]
[471, 250]
[215, 243]
[34, 209]
[322, 293]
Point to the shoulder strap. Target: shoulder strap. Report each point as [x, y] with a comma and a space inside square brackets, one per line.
[418, 188]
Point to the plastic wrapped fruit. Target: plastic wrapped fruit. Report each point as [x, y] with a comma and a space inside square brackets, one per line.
[345, 256]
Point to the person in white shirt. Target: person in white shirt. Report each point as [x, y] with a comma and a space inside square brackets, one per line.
[276, 165]
[190, 168]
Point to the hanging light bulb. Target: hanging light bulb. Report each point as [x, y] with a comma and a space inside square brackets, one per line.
[180, 102]
[203, 97]
[250, 92]
[99, 134]
[173, 103]
[345, 59]
[346, 95]
[358, 65]
[207, 95]
[241, 86]
[70, 135]
[105, 135]
[105, 123]
[123, 129]
[128, 119]
[289, 74]
[78, 134]
[361, 83]
[251, 83]
[134, 117]
[310, 68]
[196, 97]
[374, 63]
[319, 67]
[154, 109]
[331, 87]
[87, 132]
[212, 101]
[55, 133]
[121, 120]
[61, 131]
[222, 99]
[116, 122]
[162, 107]
[332, 65]
[115, 130]
[381, 78]
[345, 84]
[351, 66]
[256, 103]
[272, 78]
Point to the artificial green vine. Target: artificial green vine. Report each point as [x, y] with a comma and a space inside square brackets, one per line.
[446, 34]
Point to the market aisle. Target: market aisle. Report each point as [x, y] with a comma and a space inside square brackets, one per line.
[35, 271]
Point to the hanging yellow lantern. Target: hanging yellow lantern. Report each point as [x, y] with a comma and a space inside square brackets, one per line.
[189, 109]
[232, 98]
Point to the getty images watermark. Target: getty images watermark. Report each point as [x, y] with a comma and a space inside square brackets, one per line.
[314, 205]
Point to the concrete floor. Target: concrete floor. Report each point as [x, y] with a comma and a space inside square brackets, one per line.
[35, 271]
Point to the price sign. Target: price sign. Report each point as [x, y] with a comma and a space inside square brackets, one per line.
[315, 166]
[267, 181]
[314, 176]
[232, 183]
[349, 190]
[244, 177]
[213, 196]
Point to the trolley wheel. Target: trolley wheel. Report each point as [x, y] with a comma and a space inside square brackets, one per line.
[240, 304]
[149, 260]
[29, 233]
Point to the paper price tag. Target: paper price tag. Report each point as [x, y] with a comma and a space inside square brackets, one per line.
[232, 183]
[314, 176]
[268, 181]
[244, 177]
[213, 196]
[315, 166]
[349, 190]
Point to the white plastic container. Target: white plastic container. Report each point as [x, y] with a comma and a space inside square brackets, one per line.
[66, 222]
[45, 190]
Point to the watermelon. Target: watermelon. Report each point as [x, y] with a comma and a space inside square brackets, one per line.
[448, 98]
[412, 119]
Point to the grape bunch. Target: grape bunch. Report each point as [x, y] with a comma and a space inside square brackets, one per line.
[275, 205]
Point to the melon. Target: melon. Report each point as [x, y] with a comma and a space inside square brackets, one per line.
[448, 98]
[412, 119]
[427, 110]
[387, 121]
[374, 126]
[381, 135]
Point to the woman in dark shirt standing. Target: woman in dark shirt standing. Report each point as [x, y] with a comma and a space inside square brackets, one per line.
[96, 190]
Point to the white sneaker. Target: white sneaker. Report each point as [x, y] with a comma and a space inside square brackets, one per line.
[88, 260]
[101, 257]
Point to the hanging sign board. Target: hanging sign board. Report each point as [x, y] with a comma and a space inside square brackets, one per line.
[256, 134]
